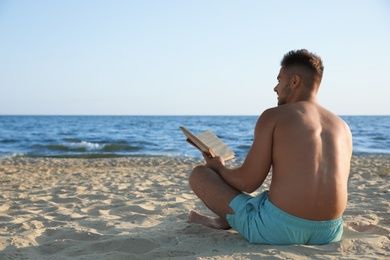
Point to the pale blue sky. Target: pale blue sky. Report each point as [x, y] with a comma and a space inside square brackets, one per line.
[187, 57]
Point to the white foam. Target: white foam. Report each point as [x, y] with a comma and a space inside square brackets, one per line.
[87, 145]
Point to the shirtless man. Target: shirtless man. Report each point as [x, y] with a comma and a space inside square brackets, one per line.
[309, 149]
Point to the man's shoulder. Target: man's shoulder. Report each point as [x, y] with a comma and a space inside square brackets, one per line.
[269, 113]
[280, 111]
[271, 116]
[275, 110]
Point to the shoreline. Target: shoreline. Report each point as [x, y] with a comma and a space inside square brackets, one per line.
[173, 156]
[137, 207]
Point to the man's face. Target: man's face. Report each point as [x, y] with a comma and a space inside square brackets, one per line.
[282, 89]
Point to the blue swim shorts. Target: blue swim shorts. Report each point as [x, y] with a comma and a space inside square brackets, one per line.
[260, 221]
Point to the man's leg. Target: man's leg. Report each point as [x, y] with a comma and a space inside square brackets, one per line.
[215, 193]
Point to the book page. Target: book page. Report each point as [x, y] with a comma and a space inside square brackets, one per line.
[217, 146]
[209, 142]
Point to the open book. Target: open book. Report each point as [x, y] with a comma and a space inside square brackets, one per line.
[210, 143]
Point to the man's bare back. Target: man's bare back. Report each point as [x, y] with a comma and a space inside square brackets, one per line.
[310, 162]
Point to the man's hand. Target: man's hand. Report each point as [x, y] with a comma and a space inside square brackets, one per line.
[214, 163]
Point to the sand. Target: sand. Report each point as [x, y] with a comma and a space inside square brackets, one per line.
[137, 208]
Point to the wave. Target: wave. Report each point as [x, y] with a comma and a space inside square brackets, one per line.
[72, 140]
[9, 141]
[83, 147]
[120, 147]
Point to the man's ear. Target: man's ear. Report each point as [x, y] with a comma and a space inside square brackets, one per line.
[295, 81]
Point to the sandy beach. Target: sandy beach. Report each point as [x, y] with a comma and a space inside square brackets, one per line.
[136, 208]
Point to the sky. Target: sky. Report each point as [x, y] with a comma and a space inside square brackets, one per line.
[154, 57]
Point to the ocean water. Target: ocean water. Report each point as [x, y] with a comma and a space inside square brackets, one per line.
[117, 136]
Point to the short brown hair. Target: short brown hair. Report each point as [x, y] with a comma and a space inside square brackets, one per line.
[306, 59]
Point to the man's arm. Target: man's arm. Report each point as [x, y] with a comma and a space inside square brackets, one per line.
[257, 164]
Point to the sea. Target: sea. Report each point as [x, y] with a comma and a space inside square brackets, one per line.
[129, 136]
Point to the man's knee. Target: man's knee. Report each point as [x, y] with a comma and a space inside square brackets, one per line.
[196, 175]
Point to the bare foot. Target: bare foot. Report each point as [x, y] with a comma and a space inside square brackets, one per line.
[211, 222]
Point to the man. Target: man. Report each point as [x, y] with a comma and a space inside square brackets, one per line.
[309, 149]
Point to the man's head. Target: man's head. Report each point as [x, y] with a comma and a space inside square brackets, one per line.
[305, 64]
[300, 68]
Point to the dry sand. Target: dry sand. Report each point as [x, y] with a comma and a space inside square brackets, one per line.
[136, 208]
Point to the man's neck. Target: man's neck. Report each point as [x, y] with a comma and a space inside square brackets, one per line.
[305, 96]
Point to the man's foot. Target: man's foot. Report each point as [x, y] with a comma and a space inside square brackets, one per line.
[216, 223]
